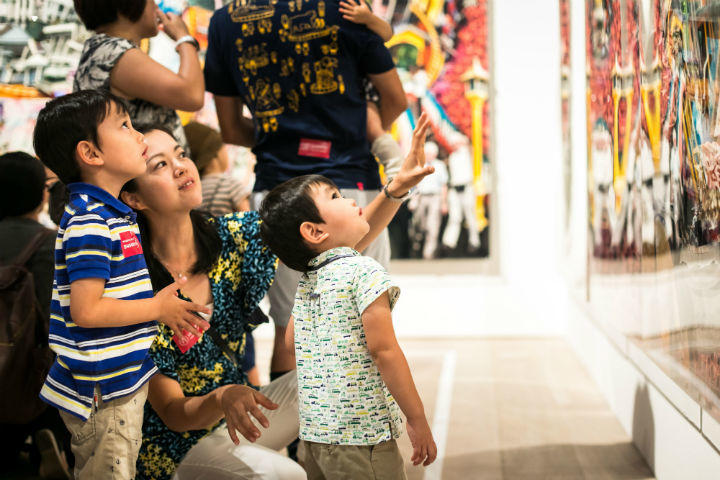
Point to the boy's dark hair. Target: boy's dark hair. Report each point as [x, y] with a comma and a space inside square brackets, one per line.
[284, 209]
[207, 239]
[66, 121]
[22, 182]
[96, 13]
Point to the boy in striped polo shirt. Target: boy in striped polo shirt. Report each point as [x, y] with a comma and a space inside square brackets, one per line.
[103, 313]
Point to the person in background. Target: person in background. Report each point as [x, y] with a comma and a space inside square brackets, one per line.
[430, 204]
[112, 60]
[308, 107]
[382, 143]
[461, 199]
[23, 194]
[222, 193]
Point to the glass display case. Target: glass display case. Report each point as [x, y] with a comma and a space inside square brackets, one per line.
[654, 183]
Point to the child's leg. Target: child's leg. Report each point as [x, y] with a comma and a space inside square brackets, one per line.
[382, 144]
[107, 444]
[372, 462]
[374, 123]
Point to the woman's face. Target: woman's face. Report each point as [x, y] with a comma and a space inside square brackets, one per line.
[171, 183]
[149, 19]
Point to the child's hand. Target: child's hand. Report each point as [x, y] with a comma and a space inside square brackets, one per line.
[413, 168]
[177, 313]
[424, 449]
[357, 11]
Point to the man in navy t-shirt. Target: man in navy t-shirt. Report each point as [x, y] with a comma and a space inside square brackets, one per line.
[299, 68]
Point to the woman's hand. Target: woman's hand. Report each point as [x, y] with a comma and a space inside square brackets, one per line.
[238, 403]
[413, 168]
[173, 25]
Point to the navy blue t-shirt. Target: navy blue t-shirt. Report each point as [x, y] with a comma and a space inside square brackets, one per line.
[298, 65]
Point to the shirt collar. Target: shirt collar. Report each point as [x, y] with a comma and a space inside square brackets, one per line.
[97, 193]
[332, 253]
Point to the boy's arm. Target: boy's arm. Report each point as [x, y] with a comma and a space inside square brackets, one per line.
[89, 309]
[395, 372]
[389, 357]
[381, 210]
[358, 11]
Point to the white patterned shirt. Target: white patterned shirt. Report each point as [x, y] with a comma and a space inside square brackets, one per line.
[342, 397]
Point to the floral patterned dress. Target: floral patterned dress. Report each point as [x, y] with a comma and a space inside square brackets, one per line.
[100, 54]
[238, 281]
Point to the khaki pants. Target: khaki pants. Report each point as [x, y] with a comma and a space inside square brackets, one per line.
[107, 444]
[216, 457]
[354, 462]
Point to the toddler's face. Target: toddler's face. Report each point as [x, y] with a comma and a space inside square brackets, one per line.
[344, 220]
[122, 147]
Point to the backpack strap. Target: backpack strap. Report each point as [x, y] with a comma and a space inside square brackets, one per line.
[32, 247]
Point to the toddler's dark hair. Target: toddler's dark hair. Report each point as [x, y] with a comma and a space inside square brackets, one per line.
[284, 209]
[96, 13]
[66, 121]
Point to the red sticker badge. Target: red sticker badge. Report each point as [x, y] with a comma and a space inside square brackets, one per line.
[130, 244]
[314, 148]
[185, 341]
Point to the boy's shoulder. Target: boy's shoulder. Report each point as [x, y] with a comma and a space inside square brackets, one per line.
[84, 209]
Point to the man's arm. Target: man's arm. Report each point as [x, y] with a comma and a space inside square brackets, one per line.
[234, 127]
[392, 96]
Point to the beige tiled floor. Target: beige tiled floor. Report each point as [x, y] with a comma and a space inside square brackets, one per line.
[519, 409]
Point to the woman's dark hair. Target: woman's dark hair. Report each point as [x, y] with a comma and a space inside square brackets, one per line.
[96, 13]
[207, 240]
[22, 182]
[284, 209]
[66, 121]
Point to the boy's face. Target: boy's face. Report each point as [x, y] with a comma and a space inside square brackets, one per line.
[344, 220]
[123, 148]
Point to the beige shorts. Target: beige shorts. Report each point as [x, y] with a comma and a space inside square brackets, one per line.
[354, 462]
[107, 444]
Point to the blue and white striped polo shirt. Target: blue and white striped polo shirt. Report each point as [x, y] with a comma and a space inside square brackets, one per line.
[98, 238]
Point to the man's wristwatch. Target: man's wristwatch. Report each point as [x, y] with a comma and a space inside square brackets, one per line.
[400, 199]
[189, 39]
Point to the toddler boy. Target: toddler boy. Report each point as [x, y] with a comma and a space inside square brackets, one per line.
[352, 374]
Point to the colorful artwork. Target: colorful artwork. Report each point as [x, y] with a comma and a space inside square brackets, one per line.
[441, 52]
[654, 178]
[40, 46]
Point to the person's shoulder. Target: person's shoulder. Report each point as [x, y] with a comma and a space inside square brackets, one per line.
[366, 263]
[81, 210]
[102, 44]
[223, 13]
